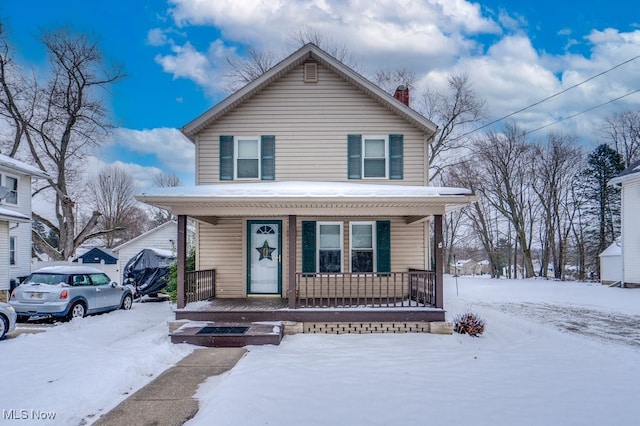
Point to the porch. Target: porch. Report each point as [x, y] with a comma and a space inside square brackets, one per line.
[410, 296]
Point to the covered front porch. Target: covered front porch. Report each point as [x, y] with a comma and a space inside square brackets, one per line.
[395, 276]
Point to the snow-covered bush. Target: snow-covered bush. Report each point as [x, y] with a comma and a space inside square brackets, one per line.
[468, 323]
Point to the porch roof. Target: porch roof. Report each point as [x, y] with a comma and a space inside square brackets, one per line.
[308, 198]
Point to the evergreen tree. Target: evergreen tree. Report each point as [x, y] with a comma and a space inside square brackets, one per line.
[603, 164]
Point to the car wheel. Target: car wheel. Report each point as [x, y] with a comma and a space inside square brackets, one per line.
[127, 302]
[4, 326]
[77, 311]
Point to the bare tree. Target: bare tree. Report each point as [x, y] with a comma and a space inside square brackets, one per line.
[623, 131]
[164, 180]
[557, 163]
[243, 70]
[112, 194]
[58, 126]
[390, 79]
[305, 34]
[453, 111]
[507, 185]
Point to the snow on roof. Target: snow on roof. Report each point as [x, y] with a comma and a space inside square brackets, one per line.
[630, 172]
[67, 269]
[144, 234]
[615, 249]
[21, 166]
[12, 215]
[302, 189]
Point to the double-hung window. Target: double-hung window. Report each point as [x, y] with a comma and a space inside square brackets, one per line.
[329, 246]
[12, 250]
[363, 246]
[375, 157]
[247, 157]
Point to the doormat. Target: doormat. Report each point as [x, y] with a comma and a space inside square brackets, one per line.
[223, 330]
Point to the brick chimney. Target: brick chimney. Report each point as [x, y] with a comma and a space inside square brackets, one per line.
[402, 94]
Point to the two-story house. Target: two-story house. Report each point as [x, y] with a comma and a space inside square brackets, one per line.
[313, 202]
[15, 220]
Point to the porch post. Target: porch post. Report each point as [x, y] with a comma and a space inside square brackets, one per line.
[181, 258]
[437, 257]
[293, 229]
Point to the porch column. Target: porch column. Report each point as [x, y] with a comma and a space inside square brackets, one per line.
[181, 258]
[293, 230]
[438, 260]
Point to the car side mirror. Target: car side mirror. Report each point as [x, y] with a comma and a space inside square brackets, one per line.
[114, 284]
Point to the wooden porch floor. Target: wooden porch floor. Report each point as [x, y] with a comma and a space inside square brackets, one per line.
[254, 309]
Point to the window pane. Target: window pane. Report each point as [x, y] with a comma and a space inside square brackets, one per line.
[330, 236]
[248, 169]
[374, 168]
[361, 236]
[12, 184]
[247, 149]
[374, 148]
[329, 260]
[362, 261]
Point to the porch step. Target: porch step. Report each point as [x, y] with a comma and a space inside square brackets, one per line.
[228, 335]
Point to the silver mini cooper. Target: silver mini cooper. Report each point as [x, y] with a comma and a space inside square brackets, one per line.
[69, 292]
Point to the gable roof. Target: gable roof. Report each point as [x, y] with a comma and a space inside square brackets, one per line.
[146, 234]
[630, 172]
[102, 252]
[21, 167]
[305, 53]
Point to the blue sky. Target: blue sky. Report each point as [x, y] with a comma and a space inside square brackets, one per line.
[174, 54]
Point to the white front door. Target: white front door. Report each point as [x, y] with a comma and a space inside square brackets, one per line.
[263, 255]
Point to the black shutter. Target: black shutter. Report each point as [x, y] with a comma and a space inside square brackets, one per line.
[396, 167]
[309, 246]
[226, 157]
[383, 246]
[354, 152]
[268, 157]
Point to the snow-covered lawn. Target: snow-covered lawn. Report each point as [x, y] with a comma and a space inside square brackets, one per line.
[553, 353]
[81, 369]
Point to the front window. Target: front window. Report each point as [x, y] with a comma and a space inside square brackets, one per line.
[248, 160]
[100, 279]
[362, 247]
[329, 246]
[374, 158]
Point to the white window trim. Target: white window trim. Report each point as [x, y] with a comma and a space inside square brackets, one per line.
[386, 155]
[318, 248]
[236, 156]
[15, 251]
[373, 243]
[3, 182]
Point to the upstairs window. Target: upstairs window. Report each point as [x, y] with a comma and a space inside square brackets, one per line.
[12, 250]
[247, 157]
[11, 183]
[375, 157]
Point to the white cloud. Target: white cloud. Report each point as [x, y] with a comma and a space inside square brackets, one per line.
[172, 149]
[156, 37]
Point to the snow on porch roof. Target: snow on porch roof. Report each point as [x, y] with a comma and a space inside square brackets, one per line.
[298, 190]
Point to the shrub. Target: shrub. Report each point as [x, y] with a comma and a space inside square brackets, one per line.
[468, 323]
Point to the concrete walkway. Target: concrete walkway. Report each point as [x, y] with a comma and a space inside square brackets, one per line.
[169, 399]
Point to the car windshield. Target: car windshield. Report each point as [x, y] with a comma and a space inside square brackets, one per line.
[51, 279]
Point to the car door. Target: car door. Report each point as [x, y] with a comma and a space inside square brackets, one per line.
[81, 286]
[106, 294]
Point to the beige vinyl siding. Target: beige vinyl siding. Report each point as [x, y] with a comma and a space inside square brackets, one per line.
[631, 231]
[311, 122]
[221, 247]
[407, 242]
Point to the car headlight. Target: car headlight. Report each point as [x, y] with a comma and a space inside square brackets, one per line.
[11, 308]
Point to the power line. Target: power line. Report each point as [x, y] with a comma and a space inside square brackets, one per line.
[553, 96]
[583, 112]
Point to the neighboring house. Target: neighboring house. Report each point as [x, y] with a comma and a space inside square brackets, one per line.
[466, 267]
[629, 181]
[162, 237]
[611, 263]
[98, 255]
[312, 192]
[15, 220]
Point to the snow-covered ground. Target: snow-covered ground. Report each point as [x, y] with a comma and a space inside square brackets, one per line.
[76, 371]
[553, 353]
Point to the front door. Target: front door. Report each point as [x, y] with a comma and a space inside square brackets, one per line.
[263, 256]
